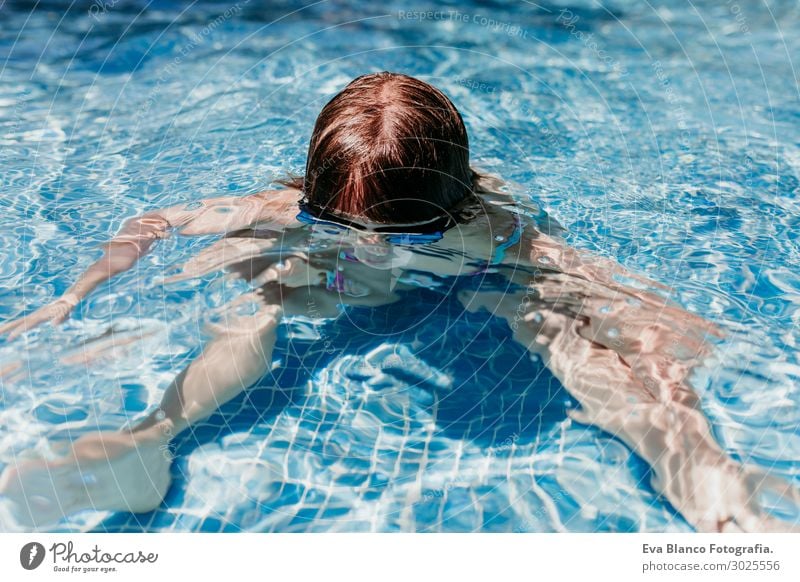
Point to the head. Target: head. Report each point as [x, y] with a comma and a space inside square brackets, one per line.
[388, 149]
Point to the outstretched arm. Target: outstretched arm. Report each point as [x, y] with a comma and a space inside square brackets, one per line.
[120, 254]
[128, 470]
[237, 356]
[626, 355]
[137, 236]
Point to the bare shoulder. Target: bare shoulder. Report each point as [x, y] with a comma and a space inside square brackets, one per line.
[279, 206]
[228, 213]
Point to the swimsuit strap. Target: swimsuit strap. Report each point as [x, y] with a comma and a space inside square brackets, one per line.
[500, 250]
[516, 234]
[335, 281]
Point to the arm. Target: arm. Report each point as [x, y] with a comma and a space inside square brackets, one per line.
[626, 354]
[120, 254]
[137, 236]
[129, 470]
[134, 240]
[236, 357]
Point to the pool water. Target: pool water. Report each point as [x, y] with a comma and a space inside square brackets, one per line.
[664, 135]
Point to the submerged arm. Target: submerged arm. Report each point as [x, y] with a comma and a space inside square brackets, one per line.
[626, 355]
[129, 470]
[237, 356]
[134, 240]
[137, 236]
[120, 254]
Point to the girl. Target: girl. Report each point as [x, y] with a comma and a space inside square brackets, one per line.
[388, 196]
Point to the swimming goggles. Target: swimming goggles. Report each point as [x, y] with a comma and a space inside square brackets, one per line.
[422, 232]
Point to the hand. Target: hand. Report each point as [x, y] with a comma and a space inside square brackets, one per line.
[295, 271]
[55, 312]
[724, 497]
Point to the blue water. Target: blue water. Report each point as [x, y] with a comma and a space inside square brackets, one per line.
[665, 135]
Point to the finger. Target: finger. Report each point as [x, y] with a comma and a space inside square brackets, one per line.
[274, 273]
[60, 318]
[60, 312]
[292, 270]
[271, 275]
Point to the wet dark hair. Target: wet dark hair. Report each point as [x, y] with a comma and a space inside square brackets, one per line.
[387, 149]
